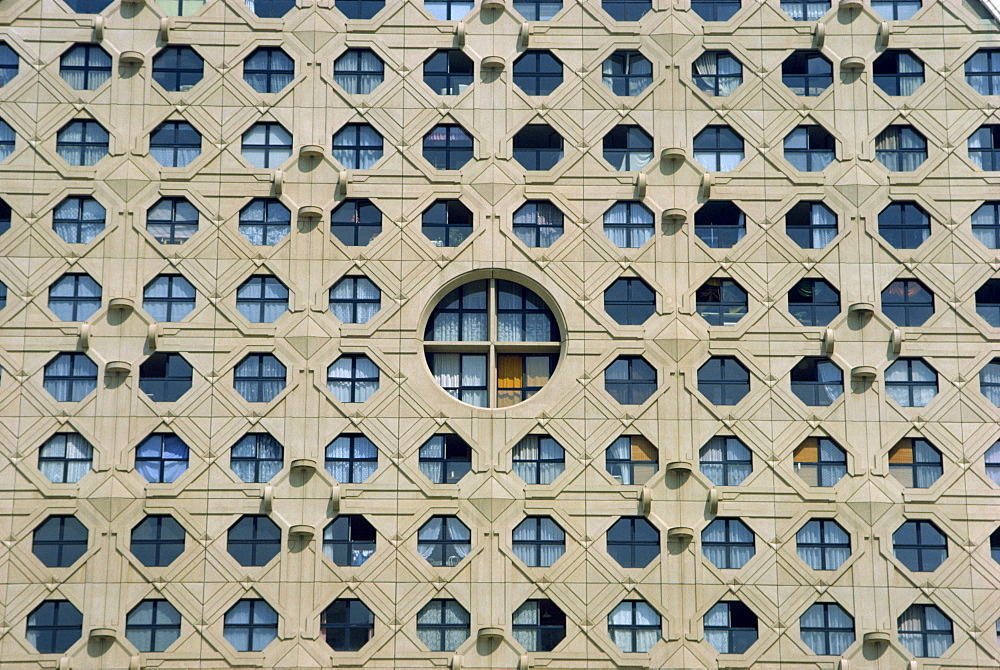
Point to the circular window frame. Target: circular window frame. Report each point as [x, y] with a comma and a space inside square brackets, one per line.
[489, 347]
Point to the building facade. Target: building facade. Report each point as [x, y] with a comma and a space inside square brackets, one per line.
[512, 334]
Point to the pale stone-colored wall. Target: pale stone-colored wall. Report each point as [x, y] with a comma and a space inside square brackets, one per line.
[574, 408]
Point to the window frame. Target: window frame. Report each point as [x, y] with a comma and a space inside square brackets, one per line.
[360, 462]
[729, 309]
[352, 74]
[262, 464]
[637, 386]
[454, 462]
[537, 221]
[274, 155]
[711, 150]
[353, 143]
[95, 70]
[66, 540]
[710, 80]
[82, 378]
[719, 390]
[890, 79]
[180, 226]
[173, 77]
[921, 637]
[453, 151]
[59, 630]
[357, 209]
[909, 385]
[730, 552]
[156, 462]
[635, 229]
[819, 152]
[81, 306]
[253, 540]
[160, 146]
[447, 608]
[259, 380]
[445, 544]
[340, 625]
[925, 461]
[990, 74]
[632, 552]
[362, 382]
[925, 551]
[829, 466]
[259, 301]
[630, 301]
[986, 156]
[807, 383]
[93, 137]
[617, 73]
[812, 233]
[537, 147]
[155, 628]
[624, 145]
[265, 219]
[168, 541]
[549, 622]
[530, 548]
[824, 638]
[733, 469]
[893, 155]
[828, 548]
[535, 72]
[632, 629]
[250, 630]
[716, 10]
[799, 77]
[78, 228]
[347, 550]
[176, 380]
[734, 644]
[534, 467]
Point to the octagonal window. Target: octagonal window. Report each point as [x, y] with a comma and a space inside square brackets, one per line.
[720, 224]
[347, 624]
[448, 146]
[161, 458]
[823, 544]
[157, 541]
[153, 625]
[538, 10]
[538, 72]
[448, 71]
[538, 147]
[88, 6]
[82, 142]
[715, 10]
[270, 9]
[65, 458]
[262, 299]
[361, 10]
[827, 629]
[178, 68]
[631, 459]
[265, 221]
[628, 224]
[901, 148]
[911, 382]
[728, 543]
[443, 624]
[811, 224]
[539, 625]
[730, 627]
[445, 458]
[165, 377]
[169, 298]
[810, 148]
[54, 626]
[172, 220]
[448, 10]
[814, 302]
[920, 545]
[628, 148]
[78, 219]
[70, 377]
[896, 10]
[257, 458]
[807, 73]
[349, 540]
[174, 144]
[633, 542]
[250, 625]
[59, 541]
[538, 459]
[538, 541]
[634, 626]
[717, 72]
[444, 541]
[538, 223]
[904, 225]
[805, 10]
[984, 147]
[986, 224]
[718, 148]
[74, 297]
[724, 380]
[352, 378]
[627, 73]
[982, 71]
[253, 540]
[630, 380]
[725, 460]
[358, 71]
[355, 299]
[356, 222]
[357, 146]
[259, 377]
[630, 301]
[817, 381]
[85, 66]
[907, 302]
[898, 72]
[988, 302]
[268, 69]
[820, 461]
[925, 631]
[9, 64]
[351, 458]
[267, 145]
[627, 10]
[989, 381]
[915, 462]
[446, 223]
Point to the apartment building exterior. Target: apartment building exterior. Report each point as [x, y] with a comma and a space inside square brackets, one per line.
[510, 334]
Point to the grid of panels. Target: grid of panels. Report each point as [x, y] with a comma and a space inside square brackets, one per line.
[490, 582]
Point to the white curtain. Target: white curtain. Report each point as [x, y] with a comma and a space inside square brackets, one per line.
[93, 71]
[810, 535]
[339, 379]
[474, 374]
[646, 636]
[620, 450]
[371, 69]
[626, 232]
[912, 71]
[429, 533]
[717, 71]
[900, 149]
[525, 455]
[65, 458]
[433, 449]
[551, 533]
[447, 371]
[824, 226]
[993, 462]
[555, 455]
[449, 10]
[718, 618]
[832, 382]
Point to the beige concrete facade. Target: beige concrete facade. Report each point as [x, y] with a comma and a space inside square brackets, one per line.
[875, 586]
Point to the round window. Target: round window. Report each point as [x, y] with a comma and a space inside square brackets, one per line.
[492, 343]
